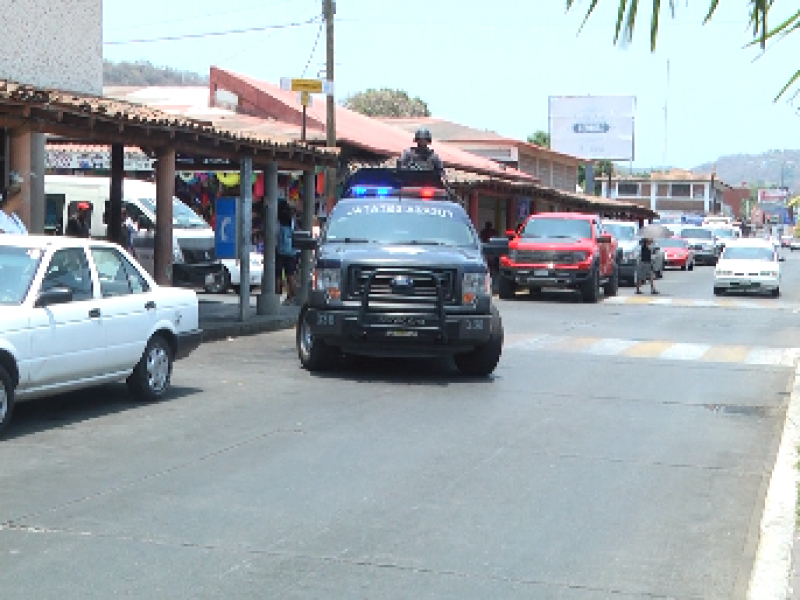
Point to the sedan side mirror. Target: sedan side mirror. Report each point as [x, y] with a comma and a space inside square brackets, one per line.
[497, 246]
[304, 240]
[57, 295]
[781, 259]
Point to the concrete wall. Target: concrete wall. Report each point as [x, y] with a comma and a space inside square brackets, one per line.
[53, 43]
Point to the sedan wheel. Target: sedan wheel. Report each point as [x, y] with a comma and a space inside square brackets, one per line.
[150, 379]
[6, 398]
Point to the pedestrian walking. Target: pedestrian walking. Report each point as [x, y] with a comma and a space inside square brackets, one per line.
[285, 258]
[646, 266]
[10, 203]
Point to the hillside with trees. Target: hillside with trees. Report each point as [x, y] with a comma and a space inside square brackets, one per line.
[143, 73]
[758, 170]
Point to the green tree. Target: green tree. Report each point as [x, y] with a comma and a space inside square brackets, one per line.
[758, 12]
[540, 138]
[386, 103]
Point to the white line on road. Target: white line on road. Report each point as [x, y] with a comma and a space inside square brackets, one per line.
[772, 569]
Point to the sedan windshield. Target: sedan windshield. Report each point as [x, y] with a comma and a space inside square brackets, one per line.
[621, 232]
[726, 233]
[389, 223]
[183, 217]
[557, 228]
[17, 268]
[748, 253]
[697, 233]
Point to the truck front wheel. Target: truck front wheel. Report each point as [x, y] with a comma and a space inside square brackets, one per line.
[590, 289]
[314, 354]
[483, 360]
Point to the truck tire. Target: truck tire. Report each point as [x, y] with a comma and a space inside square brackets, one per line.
[590, 289]
[508, 288]
[482, 361]
[151, 376]
[314, 354]
[6, 398]
[611, 287]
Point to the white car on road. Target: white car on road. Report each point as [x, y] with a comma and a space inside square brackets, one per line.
[748, 264]
[76, 313]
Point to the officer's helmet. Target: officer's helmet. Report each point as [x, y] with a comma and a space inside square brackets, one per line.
[423, 134]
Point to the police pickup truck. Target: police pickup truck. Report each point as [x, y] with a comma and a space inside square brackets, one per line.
[399, 271]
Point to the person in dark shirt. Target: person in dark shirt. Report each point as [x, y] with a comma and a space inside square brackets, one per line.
[78, 223]
[646, 266]
[421, 156]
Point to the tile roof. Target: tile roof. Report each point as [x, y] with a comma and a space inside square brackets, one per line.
[449, 131]
[366, 132]
[45, 109]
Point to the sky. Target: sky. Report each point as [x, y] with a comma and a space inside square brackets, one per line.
[493, 65]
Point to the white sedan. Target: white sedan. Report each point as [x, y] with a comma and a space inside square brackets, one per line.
[232, 274]
[76, 313]
[751, 265]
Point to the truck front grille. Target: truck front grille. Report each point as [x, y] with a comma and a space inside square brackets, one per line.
[549, 256]
[418, 286]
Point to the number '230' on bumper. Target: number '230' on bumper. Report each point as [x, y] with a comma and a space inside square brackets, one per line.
[399, 334]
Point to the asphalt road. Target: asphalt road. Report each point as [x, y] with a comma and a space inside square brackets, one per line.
[621, 450]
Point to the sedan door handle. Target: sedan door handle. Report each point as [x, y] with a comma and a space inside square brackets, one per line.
[94, 313]
[149, 305]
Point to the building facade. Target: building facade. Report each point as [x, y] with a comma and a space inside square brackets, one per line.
[673, 191]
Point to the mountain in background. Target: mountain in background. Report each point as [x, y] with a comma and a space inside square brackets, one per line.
[758, 170]
[143, 73]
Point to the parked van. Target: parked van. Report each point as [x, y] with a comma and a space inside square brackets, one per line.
[193, 257]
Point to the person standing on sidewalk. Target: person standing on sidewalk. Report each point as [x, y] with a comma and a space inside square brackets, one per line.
[285, 258]
[646, 266]
[10, 203]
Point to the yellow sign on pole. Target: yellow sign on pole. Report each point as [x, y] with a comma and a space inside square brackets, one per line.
[305, 98]
[311, 86]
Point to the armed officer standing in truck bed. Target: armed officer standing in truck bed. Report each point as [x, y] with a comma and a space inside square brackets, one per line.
[421, 156]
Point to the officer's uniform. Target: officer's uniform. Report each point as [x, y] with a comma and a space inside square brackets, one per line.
[421, 158]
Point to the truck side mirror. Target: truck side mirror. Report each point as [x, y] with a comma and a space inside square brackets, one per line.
[304, 240]
[510, 233]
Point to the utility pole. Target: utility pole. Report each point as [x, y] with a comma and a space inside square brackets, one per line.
[329, 10]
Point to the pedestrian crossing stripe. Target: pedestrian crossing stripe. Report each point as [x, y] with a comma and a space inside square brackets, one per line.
[756, 303]
[658, 349]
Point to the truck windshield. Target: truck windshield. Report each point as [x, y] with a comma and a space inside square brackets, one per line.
[545, 227]
[17, 268]
[183, 217]
[390, 223]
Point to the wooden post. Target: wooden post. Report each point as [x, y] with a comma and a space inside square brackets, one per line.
[245, 234]
[165, 190]
[269, 301]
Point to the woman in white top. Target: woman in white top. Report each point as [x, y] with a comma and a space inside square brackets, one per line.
[10, 203]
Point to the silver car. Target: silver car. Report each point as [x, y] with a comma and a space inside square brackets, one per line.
[705, 245]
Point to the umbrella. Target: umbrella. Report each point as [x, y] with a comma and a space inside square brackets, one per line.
[655, 232]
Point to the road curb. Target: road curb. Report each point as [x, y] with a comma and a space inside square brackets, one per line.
[773, 564]
[223, 331]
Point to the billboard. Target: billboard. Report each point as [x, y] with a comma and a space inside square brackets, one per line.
[593, 127]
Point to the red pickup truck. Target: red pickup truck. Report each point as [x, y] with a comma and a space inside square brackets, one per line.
[561, 250]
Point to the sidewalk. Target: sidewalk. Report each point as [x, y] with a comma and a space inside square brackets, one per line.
[219, 319]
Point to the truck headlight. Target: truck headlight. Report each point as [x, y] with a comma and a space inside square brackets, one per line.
[328, 281]
[474, 285]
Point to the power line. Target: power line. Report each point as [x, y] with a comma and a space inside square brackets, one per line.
[173, 38]
[313, 48]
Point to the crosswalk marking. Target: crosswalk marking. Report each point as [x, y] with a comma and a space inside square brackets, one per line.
[752, 303]
[658, 349]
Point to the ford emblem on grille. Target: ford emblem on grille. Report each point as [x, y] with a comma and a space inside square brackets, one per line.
[402, 282]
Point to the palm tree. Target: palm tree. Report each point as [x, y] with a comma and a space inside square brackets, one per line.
[758, 9]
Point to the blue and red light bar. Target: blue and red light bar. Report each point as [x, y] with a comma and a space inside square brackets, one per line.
[377, 191]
